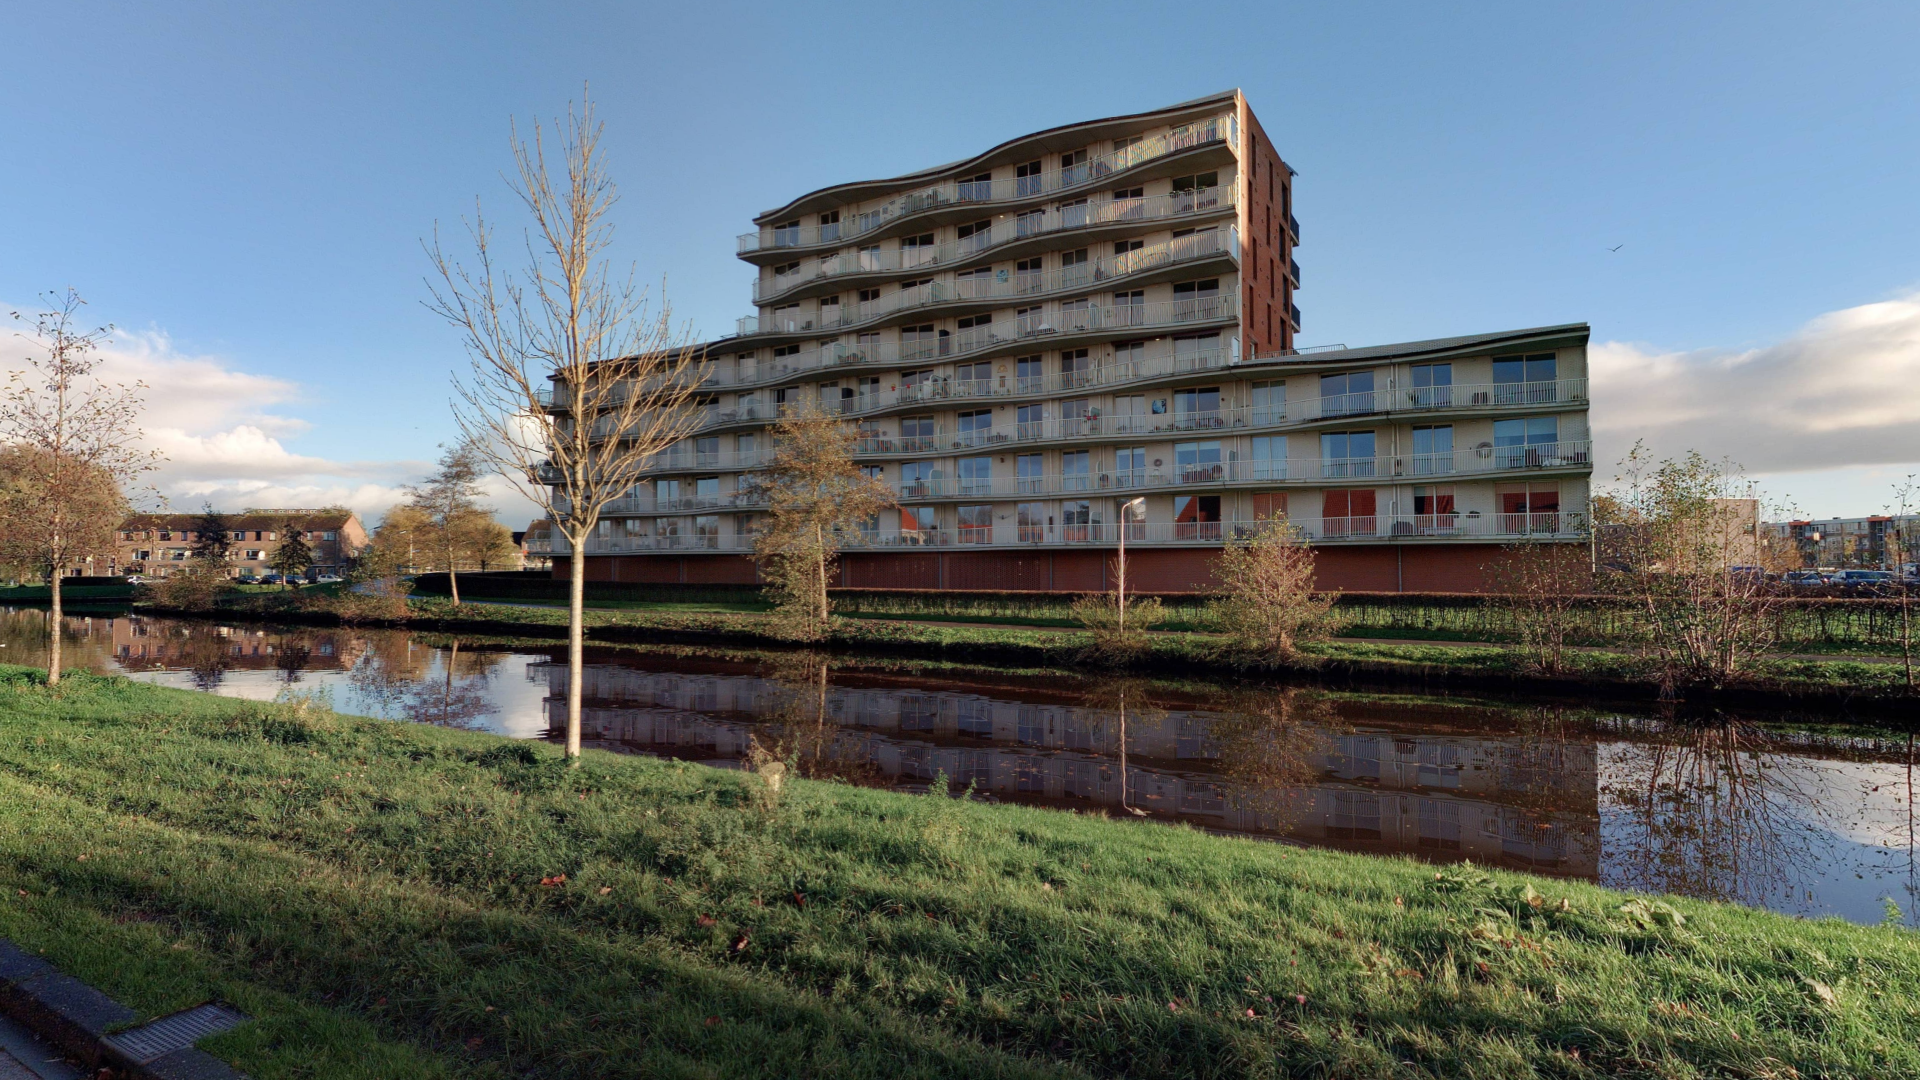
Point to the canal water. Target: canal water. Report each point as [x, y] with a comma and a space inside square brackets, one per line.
[1807, 816]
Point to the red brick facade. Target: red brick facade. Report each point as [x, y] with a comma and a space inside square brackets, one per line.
[1266, 199]
[1452, 568]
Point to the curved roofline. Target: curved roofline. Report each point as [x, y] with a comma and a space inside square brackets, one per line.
[1465, 343]
[912, 178]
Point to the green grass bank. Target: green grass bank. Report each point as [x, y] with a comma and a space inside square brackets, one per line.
[395, 900]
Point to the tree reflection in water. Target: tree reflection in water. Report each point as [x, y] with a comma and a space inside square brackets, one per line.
[799, 727]
[1712, 810]
[1273, 746]
[395, 674]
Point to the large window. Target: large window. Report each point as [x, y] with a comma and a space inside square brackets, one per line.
[973, 379]
[1074, 470]
[1133, 516]
[1197, 352]
[1198, 462]
[1197, 299]
[1130, 467]
[1269, 457]
[1031, 520]
[1029, 373]
[916, 250]
[1432, 386]
[1076, 521]
[1030, 473]
[1196, 517]
[1346, 453]
[1347, 394]
[917, 479]
[1526, 442]
[1198, 407]
[975, 236]
[1026, 179]
[1028, 276]
[1523, 380]
[1075, 369]
[1433, 450]
[1348, 512]
[1529, 508]
[976, 525]
[1433, 509]
[975, 428]
[915, 522]
[916, 434]
[1030, 421]
[976, 476]
[1269, 403]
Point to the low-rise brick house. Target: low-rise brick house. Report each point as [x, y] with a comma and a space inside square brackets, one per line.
[157, 545]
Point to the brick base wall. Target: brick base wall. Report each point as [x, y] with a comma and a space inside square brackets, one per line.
[1412, 568]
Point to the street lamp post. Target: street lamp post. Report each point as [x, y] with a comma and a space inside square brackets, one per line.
[1121, 574]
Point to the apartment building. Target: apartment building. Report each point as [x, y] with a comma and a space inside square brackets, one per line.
[1090, 329]
[157, 545]
[1875, 542]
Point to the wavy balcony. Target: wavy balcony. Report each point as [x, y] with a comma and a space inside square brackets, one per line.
[875, 262]
[990, 193]
[1373, 528]
[1001, 286]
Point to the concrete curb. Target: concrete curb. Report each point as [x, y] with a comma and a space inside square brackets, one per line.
[77, 1018]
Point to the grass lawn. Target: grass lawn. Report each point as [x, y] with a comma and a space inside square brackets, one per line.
[394, 900]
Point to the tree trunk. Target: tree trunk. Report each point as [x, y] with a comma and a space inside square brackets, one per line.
[576, 644]
[53, 629]
[453, 582]
[820, 541]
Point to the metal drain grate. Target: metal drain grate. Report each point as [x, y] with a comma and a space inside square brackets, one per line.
[177, 1032]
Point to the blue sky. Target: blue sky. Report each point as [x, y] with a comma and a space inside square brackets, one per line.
[242, 189]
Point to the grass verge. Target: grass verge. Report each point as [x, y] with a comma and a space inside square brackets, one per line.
[397, 900]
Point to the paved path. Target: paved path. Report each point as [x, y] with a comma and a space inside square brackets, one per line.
[24, 1057]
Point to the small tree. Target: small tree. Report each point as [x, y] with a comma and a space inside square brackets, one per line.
[573, 388]
[1266, 603]
[1118, 623]
[459, 530]
[1684, 548]
[1547, 589]
[818, 501]
[1903, 535]
[293, 555]
[82, 436]
[212, 539]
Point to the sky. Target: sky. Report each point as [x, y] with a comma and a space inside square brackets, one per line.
[1725, 192]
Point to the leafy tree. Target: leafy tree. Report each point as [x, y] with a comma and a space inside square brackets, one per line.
[293, 555]
[818, 501]
[80, 438]
[1266, 603]
[454, 526]
[212, 538]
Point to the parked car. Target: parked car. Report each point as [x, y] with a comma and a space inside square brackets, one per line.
[1867, 581]
[1805, 579]
[326, 579]
[272, 579]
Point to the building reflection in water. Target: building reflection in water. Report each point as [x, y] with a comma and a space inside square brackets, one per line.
[1283, 764]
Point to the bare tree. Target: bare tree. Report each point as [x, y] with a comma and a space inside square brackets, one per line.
[1267, 604]
[460, 530]
[81, 436]
[818, 501]
[1904, 536]
[1684, 547]
[1547, 589]
[573, 386]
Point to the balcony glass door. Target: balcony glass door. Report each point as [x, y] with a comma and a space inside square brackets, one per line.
[1432, 450]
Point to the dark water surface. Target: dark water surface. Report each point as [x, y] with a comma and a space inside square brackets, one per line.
[1809, 817]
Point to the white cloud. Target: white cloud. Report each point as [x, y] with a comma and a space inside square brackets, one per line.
[1842, 391]
[225, 439]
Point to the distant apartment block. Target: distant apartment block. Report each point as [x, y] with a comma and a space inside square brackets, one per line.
[159, 545]
[1874, 542]
[1090, 330]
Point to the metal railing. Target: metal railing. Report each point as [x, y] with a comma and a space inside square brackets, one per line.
[1318, 472]
[1371, 528]
[1180, 204]
[951, 193]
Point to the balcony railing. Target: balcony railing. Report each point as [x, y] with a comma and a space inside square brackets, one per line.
[1371, 528]
[1180, 204]
[1222, 129]
[1246, 418]
[1317, 472]
[1041, 323]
